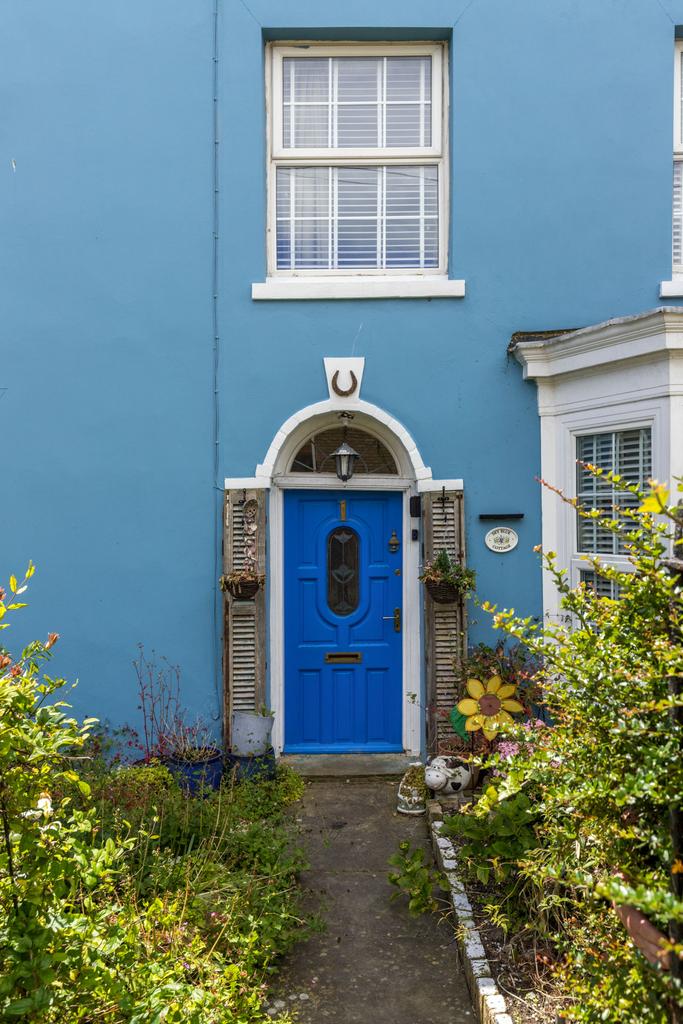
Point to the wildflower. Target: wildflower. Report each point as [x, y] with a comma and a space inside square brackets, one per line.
[52, 639]
[488, 706]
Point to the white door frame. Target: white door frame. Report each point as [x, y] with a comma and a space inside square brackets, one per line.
[412, 625]
[414, 477]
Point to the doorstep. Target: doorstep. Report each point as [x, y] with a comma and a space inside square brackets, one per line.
[334, 766]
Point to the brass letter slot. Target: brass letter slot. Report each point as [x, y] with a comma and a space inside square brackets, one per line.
[344, 657]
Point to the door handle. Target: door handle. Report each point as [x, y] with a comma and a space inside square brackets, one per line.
[396, 619]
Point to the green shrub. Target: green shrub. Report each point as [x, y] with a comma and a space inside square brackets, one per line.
[599, 785]
[122, 900]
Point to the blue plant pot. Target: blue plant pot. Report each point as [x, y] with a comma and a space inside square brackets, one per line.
[254, 767]
[195, 776]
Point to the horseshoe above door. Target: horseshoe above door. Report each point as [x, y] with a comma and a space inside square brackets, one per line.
[342, 392]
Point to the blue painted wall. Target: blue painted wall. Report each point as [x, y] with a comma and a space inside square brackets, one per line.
[560, 130]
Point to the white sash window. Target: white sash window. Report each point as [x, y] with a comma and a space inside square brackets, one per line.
[626, 453]
[677, 236]
[358, 175]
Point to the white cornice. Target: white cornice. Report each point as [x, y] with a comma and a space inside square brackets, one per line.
[624, 338]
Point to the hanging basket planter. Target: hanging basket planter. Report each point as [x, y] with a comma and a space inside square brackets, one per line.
[447, 580]
[441, 592]
[242, 587]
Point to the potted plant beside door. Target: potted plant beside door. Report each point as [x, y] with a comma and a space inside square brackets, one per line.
[243, 584]
[191, 755]
[446, 580]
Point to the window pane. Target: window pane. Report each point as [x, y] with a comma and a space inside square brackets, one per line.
[627, 453]
[411, 217]
[602, 587]
[364, 217]
[357, 125]
[343, 549]
[677, 239]
[358, 79]
[356, 102]
[357, 193]
[316, 455]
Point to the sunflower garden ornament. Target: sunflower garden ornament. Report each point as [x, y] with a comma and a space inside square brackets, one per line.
[489, 705]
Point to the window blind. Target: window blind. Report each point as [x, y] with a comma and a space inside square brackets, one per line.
[379, 217]
[677, 237]
[602, 586]
[627, 453]
[357, 102]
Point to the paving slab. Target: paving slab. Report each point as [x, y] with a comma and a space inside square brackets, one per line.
[373, 963]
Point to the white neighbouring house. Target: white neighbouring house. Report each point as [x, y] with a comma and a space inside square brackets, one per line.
[612, 395]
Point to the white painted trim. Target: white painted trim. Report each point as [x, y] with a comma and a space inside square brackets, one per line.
[412, 632]
[304, 422]
[438, 485]
[345, 366]
[365, 287]
[365, 49]
[247, 483]
[623, 338]
[437, 154]
[671, 289]
[678, 112]
[316, 481]
[621, 374]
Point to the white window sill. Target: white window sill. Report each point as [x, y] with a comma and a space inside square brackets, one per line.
[671, 289]
[399, 287]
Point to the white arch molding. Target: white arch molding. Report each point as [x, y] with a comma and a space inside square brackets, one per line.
[413, 477]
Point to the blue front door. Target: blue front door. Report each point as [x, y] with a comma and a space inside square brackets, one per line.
[343, 621]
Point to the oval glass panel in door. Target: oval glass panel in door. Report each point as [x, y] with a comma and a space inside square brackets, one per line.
[343, 558]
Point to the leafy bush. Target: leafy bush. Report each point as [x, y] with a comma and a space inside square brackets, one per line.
[600, 784]
[121, 899]
[415, 877]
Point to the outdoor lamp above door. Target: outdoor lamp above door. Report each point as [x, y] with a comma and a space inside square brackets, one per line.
[345, 460]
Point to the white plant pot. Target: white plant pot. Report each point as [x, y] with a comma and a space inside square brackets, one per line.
[250, 733]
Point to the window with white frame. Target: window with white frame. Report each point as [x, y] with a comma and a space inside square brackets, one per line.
[357, 160]
[677, 218]
[627, 453]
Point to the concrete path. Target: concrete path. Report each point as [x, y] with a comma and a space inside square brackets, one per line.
[374, 964]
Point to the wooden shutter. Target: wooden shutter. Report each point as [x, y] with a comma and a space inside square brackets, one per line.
[244, 622]
[445, 624]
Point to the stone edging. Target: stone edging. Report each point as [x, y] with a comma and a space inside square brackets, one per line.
[489, 1003]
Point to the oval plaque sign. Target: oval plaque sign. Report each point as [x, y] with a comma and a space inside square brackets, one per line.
[501, 539]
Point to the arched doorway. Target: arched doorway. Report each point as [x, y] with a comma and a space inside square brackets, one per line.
[420, 640]
[345, 672]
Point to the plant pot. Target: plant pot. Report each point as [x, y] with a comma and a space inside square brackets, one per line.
[194, 776]
[250, 733]
[257, 767]
[244, 591]
[412, 797]
[442, 593]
